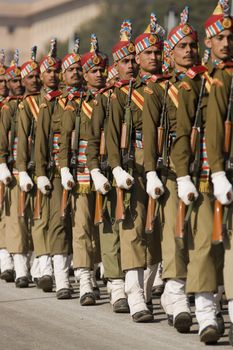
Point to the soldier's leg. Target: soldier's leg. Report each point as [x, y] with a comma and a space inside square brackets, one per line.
[227, 272]
[110, 252]
[17, 235]
[82, 244]
[133, 251]
[6, 261]
[59, 241]
[174, 255]
[201, 278]
[40, 239]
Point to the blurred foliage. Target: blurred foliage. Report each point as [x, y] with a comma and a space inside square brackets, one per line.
[113, 12]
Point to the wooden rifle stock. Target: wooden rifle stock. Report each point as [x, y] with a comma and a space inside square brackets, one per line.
[22, 202]
[193, 141]
[161, 131]
[98, 208]
[38, 204]
[120, 209]
[64, 201]
[150, 215]
[227, 140]
[217, 235]
[180, 218]
[124, 141]
[2, 195]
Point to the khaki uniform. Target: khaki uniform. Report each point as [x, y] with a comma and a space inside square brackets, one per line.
[109, 230]
[86, 250]
[216, 114]
[50, 115]
[201, 274]
[132, 231]
[174, 257]
[29, 110]
[18, 235]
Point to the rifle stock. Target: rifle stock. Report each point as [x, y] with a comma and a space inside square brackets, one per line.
[120, 209]
[217, 235]
[64, 201]
[161, 131]
[98, 208]
[2, 196]
[179, 232]
[150, 217]
[22, 202]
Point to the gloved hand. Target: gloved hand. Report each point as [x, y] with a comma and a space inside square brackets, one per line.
[101, 183]
[67, 179]
[123, 179]
[222, 188]
[43, 184]
[25, 182]
[187, 192]
[5, 174]
[154, 186]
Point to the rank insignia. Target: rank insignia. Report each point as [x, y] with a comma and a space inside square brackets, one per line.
[96, 60]
[131, 47]
[147, 90]
[186, 29]
[152, 39]
[226, 23]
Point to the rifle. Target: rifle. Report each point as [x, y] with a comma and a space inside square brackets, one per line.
[66, 195]
[99, 207]
[152, 209]
[195, 145]
[219, 219]
[125, 145]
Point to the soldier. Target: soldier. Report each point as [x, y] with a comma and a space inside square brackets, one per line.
[219, 38]
[77, 117]
[6, 262]
[48, 179]
[28, 117]
[126, 67]
[133, 243]
[182, 45]
[201, 269]
[17, 238]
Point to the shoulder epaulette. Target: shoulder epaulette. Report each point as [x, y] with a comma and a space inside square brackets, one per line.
[5, 107]
[156, 77]
[33, 106]
[62, 102]
[194, 71]
[121, 83]
[184, 85]
[53, 94]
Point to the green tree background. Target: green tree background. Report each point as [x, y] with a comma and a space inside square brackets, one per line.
[113, 12]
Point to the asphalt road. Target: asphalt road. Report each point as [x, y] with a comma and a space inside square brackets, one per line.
[33, 320]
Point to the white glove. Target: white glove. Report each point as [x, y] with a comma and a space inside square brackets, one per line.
[222, 188]
[100, 181]
[25, 182]
[5, 174]
[186, 188]
[154, 186]
[43, 184]
[67, 179]
[123, 179]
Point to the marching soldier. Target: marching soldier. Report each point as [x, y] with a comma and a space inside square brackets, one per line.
[182, 45]
[126, 68]
[201, 274]
[77, 117]
[6, 262]
[48, 179]
[130, 175]
[219, 38]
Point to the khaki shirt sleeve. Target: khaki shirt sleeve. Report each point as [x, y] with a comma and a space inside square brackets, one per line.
[216, 115]
[24, 128]
[151, 119]
[187, 104]
[42, 140]
[116, 116]
[68, 125]
[97, 123]
[7, 113]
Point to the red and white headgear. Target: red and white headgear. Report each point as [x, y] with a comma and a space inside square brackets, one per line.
[125, 46]
[13, 71]
[30, 65]
[51, 60]
[220, 20]
[72, 58]
[93, 58]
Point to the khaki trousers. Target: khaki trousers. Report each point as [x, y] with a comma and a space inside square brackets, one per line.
[228, 261]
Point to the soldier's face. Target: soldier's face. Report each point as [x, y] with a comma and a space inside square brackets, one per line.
[221, 46]
[32, 82]
[15, 86]
[73, 75]
[95, 78]
[3, 87]
[150, 60]
[50, 78]
[127, 67]
[185, 53]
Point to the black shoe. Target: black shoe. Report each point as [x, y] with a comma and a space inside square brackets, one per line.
[220, 322]
[149, 304]
[96, 291]
[210, 335]
[46, 283]
[121, 306]
[143, 316]
[22, 282]
[8, 276]
[158, 290]
[64, 293]
[183, 322]
[87, 299]
[230, 334]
